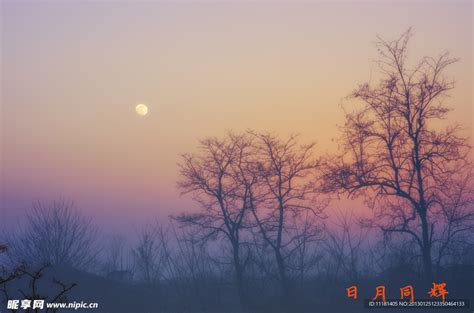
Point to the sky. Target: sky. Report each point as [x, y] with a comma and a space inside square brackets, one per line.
[73, 72]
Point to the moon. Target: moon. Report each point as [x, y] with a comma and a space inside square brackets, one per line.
[141, 109]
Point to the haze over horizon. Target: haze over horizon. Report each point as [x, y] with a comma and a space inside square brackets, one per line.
[72, 74]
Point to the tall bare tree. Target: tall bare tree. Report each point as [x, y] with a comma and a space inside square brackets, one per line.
[211, 175]
[396, 150]
[285, 195]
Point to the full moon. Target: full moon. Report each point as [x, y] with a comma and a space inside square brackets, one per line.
[141, 109]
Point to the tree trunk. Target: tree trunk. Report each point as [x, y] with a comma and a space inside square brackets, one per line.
[426, 250]
[239, 277]
[285, 283]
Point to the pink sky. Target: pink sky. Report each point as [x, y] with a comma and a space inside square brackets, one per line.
[72, 74]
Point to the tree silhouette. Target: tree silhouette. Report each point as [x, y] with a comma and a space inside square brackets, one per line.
[286, 211]
[58, 234]
[210, 175]
[396, 150]
[56, 291]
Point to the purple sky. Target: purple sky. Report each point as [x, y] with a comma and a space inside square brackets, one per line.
[73, 73]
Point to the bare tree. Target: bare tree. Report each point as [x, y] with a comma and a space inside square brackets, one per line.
[55, 234]
[115, 256]
[345, 244]
[193, 269]
[152, 254]
[396, 151]
[35, 290]
[286, 194]
[214, 177]
[455, 220]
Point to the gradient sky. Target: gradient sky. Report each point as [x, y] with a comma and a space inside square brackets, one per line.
[73, 72]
